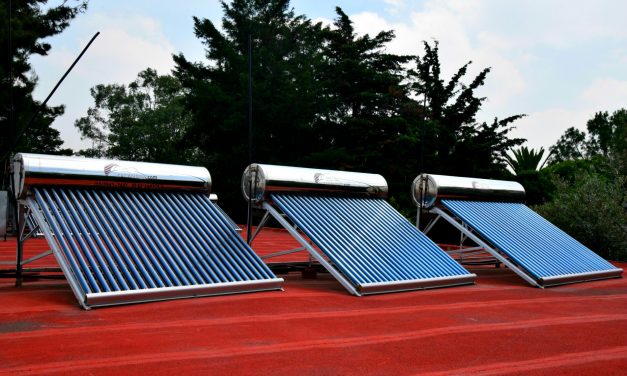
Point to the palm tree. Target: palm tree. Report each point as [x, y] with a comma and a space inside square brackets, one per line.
[525, 160]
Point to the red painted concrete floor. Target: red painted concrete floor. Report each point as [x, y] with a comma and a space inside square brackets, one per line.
[498, 326]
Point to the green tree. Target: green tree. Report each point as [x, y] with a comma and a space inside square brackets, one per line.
[525, 159]
[603, 130]
[360, 125]
[455, 143]
[606, 137]
[590, 208]
[22, 31]
[571, 145]
[285, 56]
[144, 121]
[326, 97]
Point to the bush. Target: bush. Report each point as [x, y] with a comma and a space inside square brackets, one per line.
[589, 207]
[539, 187]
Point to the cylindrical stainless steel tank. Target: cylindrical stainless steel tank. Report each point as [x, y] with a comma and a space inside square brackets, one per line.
[432, 188]
[266, 179]
[51, 170]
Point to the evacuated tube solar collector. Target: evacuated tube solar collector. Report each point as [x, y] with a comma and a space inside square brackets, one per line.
[492, 214]
[364, 243]
[127, 232]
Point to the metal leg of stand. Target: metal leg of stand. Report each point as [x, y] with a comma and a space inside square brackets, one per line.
[19, 219]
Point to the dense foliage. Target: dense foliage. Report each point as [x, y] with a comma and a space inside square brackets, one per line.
[583, 189]
[144, 121]
[327, 97]
[23, 26]
[323, 96]
[589, 207]
[606, 137]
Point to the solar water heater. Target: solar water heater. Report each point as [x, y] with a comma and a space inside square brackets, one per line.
[492, 214]
[343, 220]
[128, 232]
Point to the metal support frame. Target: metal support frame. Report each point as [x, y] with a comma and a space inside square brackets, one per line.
[260, 226]
[37, 257]
[312, 252]
[467, 251]
[283, 253]
[430, 225]
[56, 251]
[461, 252]
[463, 228]
[24, 213]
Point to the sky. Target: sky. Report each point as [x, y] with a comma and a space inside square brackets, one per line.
[557, 62]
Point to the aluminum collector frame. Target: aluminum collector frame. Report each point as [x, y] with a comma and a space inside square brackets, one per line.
[500, 256]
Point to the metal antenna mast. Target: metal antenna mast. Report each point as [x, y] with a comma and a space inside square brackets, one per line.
[249, 221]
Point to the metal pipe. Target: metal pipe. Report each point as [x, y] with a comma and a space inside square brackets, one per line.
[20, 223]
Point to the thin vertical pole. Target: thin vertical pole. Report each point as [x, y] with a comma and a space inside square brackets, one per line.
[249, 221]
[12, 131]
[422, 136]
[250, 99]
[19, 219]
[17, 214]
[10, 55]
[423, 184]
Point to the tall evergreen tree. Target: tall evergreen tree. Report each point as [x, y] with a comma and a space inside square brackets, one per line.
[23, 26]
[285, 57]
[361, 126]
[455, 143]
[327, 97]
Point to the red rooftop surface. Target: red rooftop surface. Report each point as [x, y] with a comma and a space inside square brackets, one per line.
[499, 326]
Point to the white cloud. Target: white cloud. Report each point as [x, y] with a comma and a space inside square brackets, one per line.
[450, 23]
[394, 6]
[513, 39]
[526, 43]
[323, 21]
[544, 128]
[126, 45]
[605, 94]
